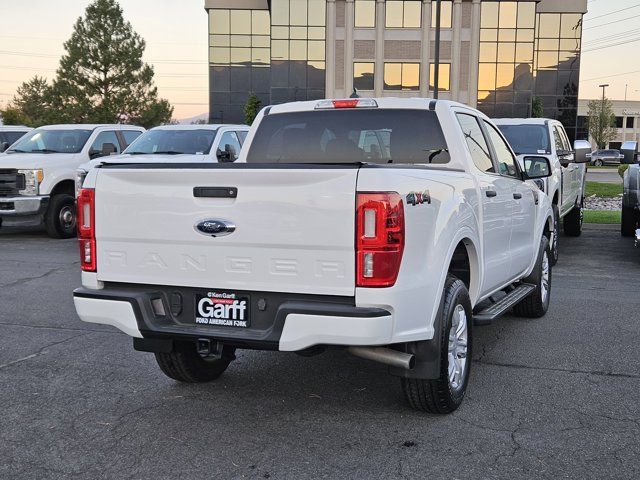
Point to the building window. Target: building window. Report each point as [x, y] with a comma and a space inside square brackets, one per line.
[444, 79]
[403, 13]
[446, 14]
[619, 122]
[239, 37]
[402, 76]
[630, 122]
[365, 13]
[506, 70]
[363, 76]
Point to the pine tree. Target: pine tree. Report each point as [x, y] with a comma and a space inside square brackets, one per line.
[33, 100]
[537, 109]
[252, 108]
[102, 78]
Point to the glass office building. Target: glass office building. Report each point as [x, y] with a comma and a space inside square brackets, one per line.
[499, 56]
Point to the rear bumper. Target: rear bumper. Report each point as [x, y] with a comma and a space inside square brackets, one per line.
[22, 210]
[286, 323]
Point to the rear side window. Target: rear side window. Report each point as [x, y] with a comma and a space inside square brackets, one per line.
[476, 142]
[506, 161]
[383, 136]
[130, 136]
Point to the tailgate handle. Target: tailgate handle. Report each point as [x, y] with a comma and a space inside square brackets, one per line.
[215, 192]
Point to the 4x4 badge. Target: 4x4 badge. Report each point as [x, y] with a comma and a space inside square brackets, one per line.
[418, 198]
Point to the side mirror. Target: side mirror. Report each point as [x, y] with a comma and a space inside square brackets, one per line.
[4, 146]
[536, 167]
[629, 151]
[565, 156]
[227, 155]
[583, 151]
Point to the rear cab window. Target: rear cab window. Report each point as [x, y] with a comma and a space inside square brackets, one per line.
[379, 136]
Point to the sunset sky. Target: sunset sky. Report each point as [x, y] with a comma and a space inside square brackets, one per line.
[33, 32]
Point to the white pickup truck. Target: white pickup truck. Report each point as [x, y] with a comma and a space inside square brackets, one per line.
[320, 238]
[37, 174]
[565, 186]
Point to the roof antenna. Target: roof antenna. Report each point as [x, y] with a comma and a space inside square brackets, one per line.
[354, 94]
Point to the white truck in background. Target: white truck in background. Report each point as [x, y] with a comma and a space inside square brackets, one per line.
[10, 134]
[37, 173]
[565, 187]
[382, 226]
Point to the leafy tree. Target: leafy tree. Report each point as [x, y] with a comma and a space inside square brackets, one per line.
[252, 108]
[32, 100]
[12, 116]
[199, 121]
[102, 78]
[602, 122]
[537, 109]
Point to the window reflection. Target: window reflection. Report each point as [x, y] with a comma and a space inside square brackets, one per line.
[403, 14]
[365, 13]
[363, 75]
[446, 14]
[402, 76]
[505, 79]
[444, 78]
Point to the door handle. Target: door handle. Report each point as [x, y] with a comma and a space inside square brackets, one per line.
[491, 193]
[517, 196]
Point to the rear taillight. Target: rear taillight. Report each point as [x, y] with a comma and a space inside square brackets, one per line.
[87, 229]
[379, 238]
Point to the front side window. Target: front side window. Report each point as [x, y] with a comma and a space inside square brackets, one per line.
[229, 147]
[505, 159]
[527, 139]
[402, 76]
[106, 143]
[52, 141]
[363, 75]
[365, 13]
[403, 13]
[173, 142]
[383, 136]
[476, 142]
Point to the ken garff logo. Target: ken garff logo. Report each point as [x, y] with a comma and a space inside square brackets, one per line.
[418, 198]
[215, 227]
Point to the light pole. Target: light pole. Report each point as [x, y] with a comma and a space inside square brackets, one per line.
[436, 70]
[603, 87]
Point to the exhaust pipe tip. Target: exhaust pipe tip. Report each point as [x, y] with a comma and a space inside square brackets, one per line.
[385, 355]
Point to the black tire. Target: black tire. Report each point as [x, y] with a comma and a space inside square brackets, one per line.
[185, 364]
[537, 304]
[628, 224]
[556, 233]
[60, 219]
[573, 221]
[598, 163]
[439, 396]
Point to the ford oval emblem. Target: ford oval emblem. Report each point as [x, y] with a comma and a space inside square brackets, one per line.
[215, 227]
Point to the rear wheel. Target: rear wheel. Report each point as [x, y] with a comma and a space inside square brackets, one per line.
[445, 394]
[573, 221]
[537, 304]
[628, 225]
[60, 219]
[185, 364]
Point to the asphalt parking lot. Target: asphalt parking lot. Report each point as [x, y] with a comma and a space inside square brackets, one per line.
[557, 397]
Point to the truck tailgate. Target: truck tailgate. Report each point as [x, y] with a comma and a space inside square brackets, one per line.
[294, 228]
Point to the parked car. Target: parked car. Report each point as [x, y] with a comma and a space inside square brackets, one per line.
[308, 242]
[9, 134]
[37, 173]
[630, 224]
[565, 186]
[606, 157]
[181, 143]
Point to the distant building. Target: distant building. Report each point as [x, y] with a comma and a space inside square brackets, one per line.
[496, 55]
[627, 121]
